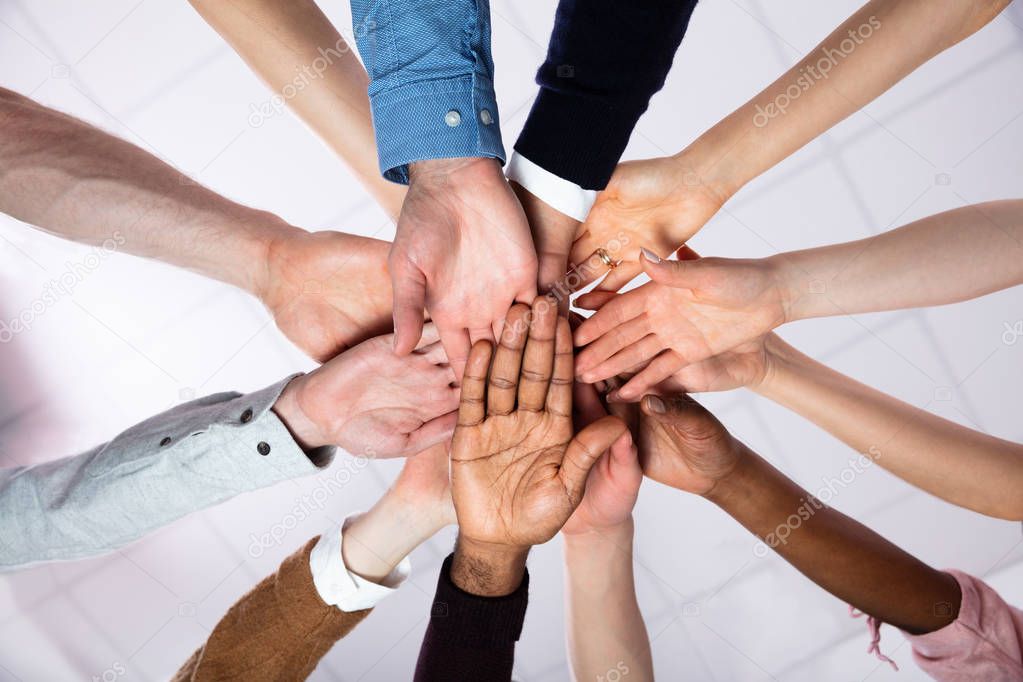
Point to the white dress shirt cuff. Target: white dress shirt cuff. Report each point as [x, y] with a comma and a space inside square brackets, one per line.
[340, 587]
[562, 195]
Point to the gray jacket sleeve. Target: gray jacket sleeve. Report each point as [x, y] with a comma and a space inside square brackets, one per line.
[188, 458]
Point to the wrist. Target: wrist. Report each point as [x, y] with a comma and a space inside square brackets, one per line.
[779, 272]
[739, 484]
[425, 515]
[486, 568]
[249, 262]
[376, 541]
[699, 164]
[288, 408]
[618, 535]
[445, 171]
[799, 291]
[778, 360]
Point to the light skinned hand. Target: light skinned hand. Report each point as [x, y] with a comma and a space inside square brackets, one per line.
[657, 203]
[612, 486]
[327, 291]
[424, 484]
[374, 403]
[692, 309]
[683, 445]
[463, 251]
[553, 233]
[518, 469]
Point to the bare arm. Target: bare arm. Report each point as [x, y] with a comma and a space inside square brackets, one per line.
[875, 48]
[842, 556]
[684, 446]
[75, 181]
[695, 308]
[965, 467]
[298, 53]
[605, 626]
[952, 256]
[667, 200]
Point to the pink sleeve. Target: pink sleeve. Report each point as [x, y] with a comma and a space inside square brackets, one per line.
[984, 643]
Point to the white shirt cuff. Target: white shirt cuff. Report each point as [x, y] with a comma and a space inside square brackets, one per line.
[340, 587]
[560, 194]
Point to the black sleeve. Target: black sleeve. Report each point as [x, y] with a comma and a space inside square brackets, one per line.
[471, 637]
[606, 59]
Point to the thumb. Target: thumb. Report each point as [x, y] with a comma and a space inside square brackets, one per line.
[584, 450]
[686, 421]
[673, 273]
[409, 285]
[623, 452]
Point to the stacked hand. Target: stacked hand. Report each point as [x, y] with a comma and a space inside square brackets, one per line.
[658, 203]
[372, 402]
[327, 291]
[463, 251]
[683, 445]
[612, 486]
[517, 470]
[691, 312]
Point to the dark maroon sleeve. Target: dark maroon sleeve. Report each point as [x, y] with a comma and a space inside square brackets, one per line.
[471, 637]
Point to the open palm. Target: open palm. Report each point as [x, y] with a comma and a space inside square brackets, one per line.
[654, 203]
[517, 472]
[691, 311]
[612, 487]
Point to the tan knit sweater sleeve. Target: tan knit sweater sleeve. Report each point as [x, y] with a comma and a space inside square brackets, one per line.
[278, 631]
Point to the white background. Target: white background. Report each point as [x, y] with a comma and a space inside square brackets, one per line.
[137, 336]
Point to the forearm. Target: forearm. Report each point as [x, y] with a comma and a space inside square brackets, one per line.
[842, 556]
[487, 570]
[871, 51]
[605, 627]
[80, 183]
[965, 467]
[309, 66]
[375, 542]
[945, 258]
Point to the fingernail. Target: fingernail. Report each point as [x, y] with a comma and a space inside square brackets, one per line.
[655, 404]
[650, 255]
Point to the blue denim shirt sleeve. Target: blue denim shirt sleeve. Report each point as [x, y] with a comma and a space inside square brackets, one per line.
[431, 77]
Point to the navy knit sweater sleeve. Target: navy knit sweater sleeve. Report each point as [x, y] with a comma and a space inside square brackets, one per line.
[606, 59]
[471, 637]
